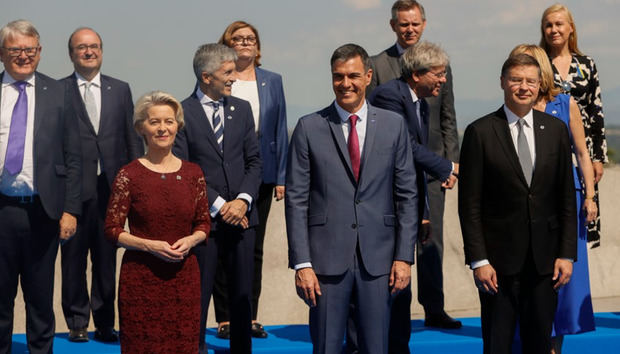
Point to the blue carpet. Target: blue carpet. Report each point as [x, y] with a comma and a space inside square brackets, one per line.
[296, 339]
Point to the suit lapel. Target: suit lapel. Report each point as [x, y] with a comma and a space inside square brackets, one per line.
[231, 125]
[371, 128]
[106, 99]
[39, 89]
[394, 60]
[261, 83]
[403, 88]
[78, 103]
[540, 146]
[335, 124]
[500, 125]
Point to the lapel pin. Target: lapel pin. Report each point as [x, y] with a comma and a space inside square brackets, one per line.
[109, 87]
[44, 87]
[232, 108]
[554, 111]
[372, 120]
[262, 84]
[542, 127]
[229, 117]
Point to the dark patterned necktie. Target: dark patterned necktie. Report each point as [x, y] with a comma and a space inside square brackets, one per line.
[218, 128]
[354, 147]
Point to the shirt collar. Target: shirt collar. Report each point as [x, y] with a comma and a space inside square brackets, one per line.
[400, 49]
[513, 118]
[8, 80]
[204, 99]
[414, 97]
[95, 81]
[344, 115]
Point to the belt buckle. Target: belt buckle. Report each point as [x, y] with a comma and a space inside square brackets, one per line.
[25, 199]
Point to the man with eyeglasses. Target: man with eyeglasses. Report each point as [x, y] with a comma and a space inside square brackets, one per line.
[423, 75]
[517, 212]
[104, 107]
[40, 168]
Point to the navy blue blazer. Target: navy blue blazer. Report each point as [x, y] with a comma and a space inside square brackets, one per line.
[328, 213]
[395, 96]
[56, 153]
[116, 143]
[235, 170]
[273, 133]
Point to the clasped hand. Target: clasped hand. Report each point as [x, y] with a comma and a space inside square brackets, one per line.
[233, 213]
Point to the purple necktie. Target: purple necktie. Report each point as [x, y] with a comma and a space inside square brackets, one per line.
[354, 147]
[17, 135]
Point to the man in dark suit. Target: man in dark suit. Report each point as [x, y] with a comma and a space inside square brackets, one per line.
[408, 23]
[105, 113]
[424, 73]
[219, 136]
[517, 212]
[40, 171]
[350, 209]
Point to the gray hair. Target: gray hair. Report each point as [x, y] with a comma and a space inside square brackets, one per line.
[405, 5]
[23, 27]
[156, 98]
[350, 51]
[80, 29]
[209, 58]
[421, 57]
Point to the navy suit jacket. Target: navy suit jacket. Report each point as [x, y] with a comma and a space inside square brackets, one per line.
[116, 143]
[56, 153]
[328, 213]
[502, 218]
[238, 168]
[272, 133]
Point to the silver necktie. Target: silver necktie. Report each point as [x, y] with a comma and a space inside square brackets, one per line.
[91, 106]
[523, 150]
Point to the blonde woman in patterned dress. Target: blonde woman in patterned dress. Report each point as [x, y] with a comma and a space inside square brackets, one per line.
[575, 73]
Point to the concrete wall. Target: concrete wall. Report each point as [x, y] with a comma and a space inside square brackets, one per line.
[280, 304]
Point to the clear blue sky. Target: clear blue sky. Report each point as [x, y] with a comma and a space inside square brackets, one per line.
[150, 44]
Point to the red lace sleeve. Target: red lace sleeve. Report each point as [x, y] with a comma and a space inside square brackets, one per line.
[202, 219]
[118, 207]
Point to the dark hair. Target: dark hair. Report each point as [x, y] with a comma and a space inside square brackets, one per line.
[519, 60]
[350, 51]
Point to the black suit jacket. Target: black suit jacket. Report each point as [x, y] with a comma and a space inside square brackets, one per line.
[56, 153]
[116, 143]
[501, 217]
[443, 134]
[238, 169]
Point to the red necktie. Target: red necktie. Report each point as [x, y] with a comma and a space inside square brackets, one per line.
[354, 147]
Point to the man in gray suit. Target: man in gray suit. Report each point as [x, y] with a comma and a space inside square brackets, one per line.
[408, 23]
[351, 209]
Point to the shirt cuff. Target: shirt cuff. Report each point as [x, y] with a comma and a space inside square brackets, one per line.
[216, 206]
[303, 265]
[247, 198]
[478, 264]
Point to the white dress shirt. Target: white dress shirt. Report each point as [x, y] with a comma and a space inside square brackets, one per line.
[21, 184]
[205, 101]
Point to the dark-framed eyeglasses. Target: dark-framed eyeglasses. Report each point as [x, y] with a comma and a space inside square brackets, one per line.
[29, 51]
[85, 47]
[251, 40]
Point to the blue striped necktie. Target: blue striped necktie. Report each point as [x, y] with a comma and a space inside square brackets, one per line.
[218, 127]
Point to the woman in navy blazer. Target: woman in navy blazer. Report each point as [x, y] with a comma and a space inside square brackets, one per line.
[263, 89]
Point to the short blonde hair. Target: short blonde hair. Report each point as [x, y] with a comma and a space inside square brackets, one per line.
[156, 98]
[572, 39]
[548, 90]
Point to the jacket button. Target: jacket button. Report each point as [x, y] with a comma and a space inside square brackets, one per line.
[353, 226]
[357, 201]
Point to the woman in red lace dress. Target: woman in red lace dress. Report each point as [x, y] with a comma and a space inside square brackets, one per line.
[166, 202]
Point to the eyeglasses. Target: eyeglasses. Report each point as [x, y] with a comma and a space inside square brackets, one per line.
[439, 75]
[84, 47]
[517, 81]
[29, 51]
[251, 40]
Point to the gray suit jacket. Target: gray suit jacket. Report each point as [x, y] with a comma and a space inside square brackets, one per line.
[328, 213]
[443, 134]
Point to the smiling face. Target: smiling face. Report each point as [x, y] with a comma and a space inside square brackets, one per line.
[429, 83]
[22, 66]
[86, 52]
[557, 29]
[349, 80]
[408, 27]
[160, 127]
[219, 83]
[521, 85]
[243, 42]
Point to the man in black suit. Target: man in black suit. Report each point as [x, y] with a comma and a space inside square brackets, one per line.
[105, 114]
[408, 23]
[424, 72]
[517, 212]
[219, 136]
[40, 171]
